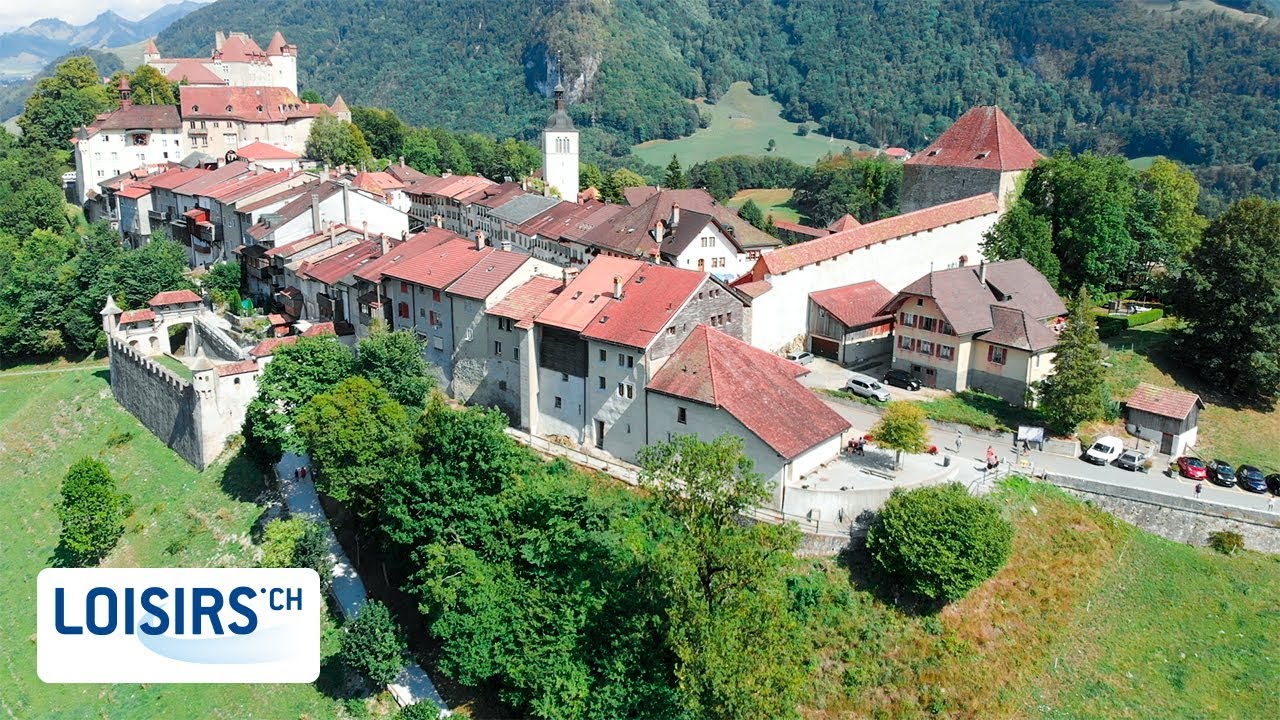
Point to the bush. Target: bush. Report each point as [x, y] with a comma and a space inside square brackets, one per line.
[373, 645]
[1109, 325]
[1226, 542]
[424, 710]
[298, 543]
[1145, 317]
[92, 511]
[939, 542]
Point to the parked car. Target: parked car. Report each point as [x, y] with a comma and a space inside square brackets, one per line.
[1221, 473]
[1273, 483]
[902, 379]
[867, 387]
[1104, 450]
[1191, 468]
[1250, 478]
[1132, 460]
[804, 358]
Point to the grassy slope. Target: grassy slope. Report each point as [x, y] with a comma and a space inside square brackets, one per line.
[742, 124]
[182, 518]
[1084, 600]
[772, 201]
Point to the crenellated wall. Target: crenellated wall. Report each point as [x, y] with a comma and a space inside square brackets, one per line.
[166, 404]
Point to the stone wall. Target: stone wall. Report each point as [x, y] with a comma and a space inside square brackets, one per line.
[216, 343]
[927, 185]
[163, 402]
[1175, 517]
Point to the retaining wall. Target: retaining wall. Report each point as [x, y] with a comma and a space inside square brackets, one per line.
[163, 402]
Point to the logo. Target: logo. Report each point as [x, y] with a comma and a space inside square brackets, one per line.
[152, 625]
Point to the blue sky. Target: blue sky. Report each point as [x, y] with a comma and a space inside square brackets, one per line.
[77, 12]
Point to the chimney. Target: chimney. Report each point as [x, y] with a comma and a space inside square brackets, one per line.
[569, 275]
[480, 240]
[658, 231]
[346, 203]
[386, 245]
[982, 272]
[365, 229]
[617, 287]
[401, 161]
[675, 215]
[506, 245]
[315, 213]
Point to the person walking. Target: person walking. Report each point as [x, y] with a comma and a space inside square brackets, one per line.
[959, 441]
[1271, 503]
[1199, 487]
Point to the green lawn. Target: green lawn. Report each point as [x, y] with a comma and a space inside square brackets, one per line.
[771, 201]
[743, 124]
[182, 518]
[174, 365]
[979, 410]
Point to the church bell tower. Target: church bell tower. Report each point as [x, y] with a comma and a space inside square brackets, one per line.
[560, 152]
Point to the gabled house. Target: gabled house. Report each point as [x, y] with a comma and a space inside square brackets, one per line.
[129, 137]
[1165, 416]
[988, 328]
[846, 325]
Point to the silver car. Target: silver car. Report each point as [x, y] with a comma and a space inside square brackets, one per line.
[866, 386]
[1132, 460]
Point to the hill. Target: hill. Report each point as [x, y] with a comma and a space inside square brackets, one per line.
[1124, 77]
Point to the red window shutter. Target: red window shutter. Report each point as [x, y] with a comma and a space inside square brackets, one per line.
[404, 310]
[991, 352]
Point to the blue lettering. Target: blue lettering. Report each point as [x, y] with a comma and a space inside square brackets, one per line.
[274, 592]
[91, 611]
[128, 611]
[199, 610]
[293, 595]
[179, 611]
[59, 614]
[148, 605]
[250, 617]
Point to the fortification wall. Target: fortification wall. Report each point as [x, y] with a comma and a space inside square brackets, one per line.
[925, 186]
[163, 402]
[216, 343]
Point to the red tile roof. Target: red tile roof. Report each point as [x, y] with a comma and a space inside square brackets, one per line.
[277, 319]
[799, 229]
[269, 346]
[855, 305]
[1164, 402]
[440, 266]
[524, 303]
[753, 288]
[323, 328]
[238, 47]
[581, 301]
[485, 276]
[842, 223]
[792, 257]
[174, 297]
[213, 178]
[135, 191]
[277, 44]
[376, 182]
[651, 297]
[246, 185]
[175, 178]
[492, 196]
[139, 117]
[416, 245]
[756, 387]
[983, 138]
[452, 186]
[255, 104]
[258, 150]
[339, 265]
[195, 72]
[237, 368]
[133, 316]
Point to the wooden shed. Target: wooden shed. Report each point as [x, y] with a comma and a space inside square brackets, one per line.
[1165, 416]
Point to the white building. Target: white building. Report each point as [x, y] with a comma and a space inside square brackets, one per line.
[236, 61]
[133, 136]
[223, 119]
[698, 241]
[894, 251]
[560, 152]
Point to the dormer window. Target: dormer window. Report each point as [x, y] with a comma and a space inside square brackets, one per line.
[228, 108]
[933, 153]
[259, 108]
[195, 108]
[983, 155]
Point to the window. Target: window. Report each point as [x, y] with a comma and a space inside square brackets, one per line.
[600, 434]
[435, 296]
[502, 384]
[995, 354]
[559, 402]
[404, 286]
[905, 342]
[622, 360]
[947, 329]
[682, 416]
[946, 352]
[927, 323]
[925, 347]
[622, 390]
[631, 392]
[497, 348]
[631, 361]
[671, 330]
[602, 381]
[404, 310]
[908, 319]
[422, 312]
[515, 353]
[919, 302]
[434, 318]
[504, 324]
[439, 342]
[564, 377]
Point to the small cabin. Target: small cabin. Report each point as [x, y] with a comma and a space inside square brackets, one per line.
[1164, 416]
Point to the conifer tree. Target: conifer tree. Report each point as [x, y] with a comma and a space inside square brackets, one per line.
[675, 175]
[1074, 393]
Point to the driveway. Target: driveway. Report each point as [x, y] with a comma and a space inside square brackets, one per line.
[825, 374]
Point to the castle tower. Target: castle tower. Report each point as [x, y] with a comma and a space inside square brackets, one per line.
[560, 152]
[151, 53]
[126, 93]
[203, 376]
[284, 62]
[110, 316]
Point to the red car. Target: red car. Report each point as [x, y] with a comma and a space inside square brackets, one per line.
[1192, 467]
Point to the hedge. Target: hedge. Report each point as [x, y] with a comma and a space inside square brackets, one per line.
[1109, 325]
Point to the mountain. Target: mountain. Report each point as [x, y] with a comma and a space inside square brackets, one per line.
[1185, 80]
[25, 50]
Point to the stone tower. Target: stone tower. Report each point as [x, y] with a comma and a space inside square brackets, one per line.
[560, 152]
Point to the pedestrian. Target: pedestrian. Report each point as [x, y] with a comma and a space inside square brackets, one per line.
[1199, 487]
[959, 440]
[1271, 503]
[297, 473]
[304, 472]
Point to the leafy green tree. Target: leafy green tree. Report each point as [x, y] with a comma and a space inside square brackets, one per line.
[296, 373]
[33, 294]
[751, 213]
[1229, 296]
[312, 551]
[421, 710]
[1176, 195]
[938, 541]
[147, 87]
[1074, 393]
[359, 439]
[589, 176]
[39, 205]
[92, 511]
[394, 361]
[868, 189]
[280, 542]
[421, 152]
[1021, 233]
[740, 653]
[617, 182]
[337, 142]
[453, 156]
[159, 265]
[373, 644]
[90, 278]
[311, 96]
[902, 429]
[63, 102]
[674, 179]
[383, 129]
[222, 280]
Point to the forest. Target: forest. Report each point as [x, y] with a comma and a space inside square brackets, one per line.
[1113, 77]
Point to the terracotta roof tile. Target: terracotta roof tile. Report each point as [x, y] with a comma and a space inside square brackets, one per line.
[195, 72]
[415, 246]
[575, 308]
[842, 223]
[485, 276]
[799, 229]
[258, 150]
[339, 265]
[756, 387]
[1164, 402]
[855, 305]
[440, 266]
[133, 316]
[268, 347]
[983, 138]
[174, 297]
[753, 288]
[139, 117]
[135, 191]
[323, 328]
[237, 368]
[651, 297]
[524, 303]
[256, 104]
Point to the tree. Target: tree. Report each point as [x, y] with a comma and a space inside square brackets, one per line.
[740, 651]
[90, 279]
[674, 178]
[359, 438]
[373, 644]
[751, 213]
[617, 182]
[1176, 195]
[159, 265]
[938, 541]
[1021, 233]
[394, 361]
[1229, 296]
[297, 542]
[421, 152]
[297, 373]
[147, 87]
[902, 429]
[92, 511]
[60, 104]
[589, 176]
[337, 142]
[39, 205]
[802, 130]
[383, 129]
[311, 96]
[222, 280]
[868, 189]
[1074, 393]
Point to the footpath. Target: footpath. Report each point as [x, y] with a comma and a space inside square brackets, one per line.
[413, 685]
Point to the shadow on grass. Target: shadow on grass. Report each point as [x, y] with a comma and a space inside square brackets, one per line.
[339, 682]
[242, 479]
[104, 375]
[63, 558]
[866, 577]
[1172, 353]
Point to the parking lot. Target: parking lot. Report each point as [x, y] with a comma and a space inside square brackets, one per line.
[828, 375]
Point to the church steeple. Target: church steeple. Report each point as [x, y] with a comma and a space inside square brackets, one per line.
[560, 152]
